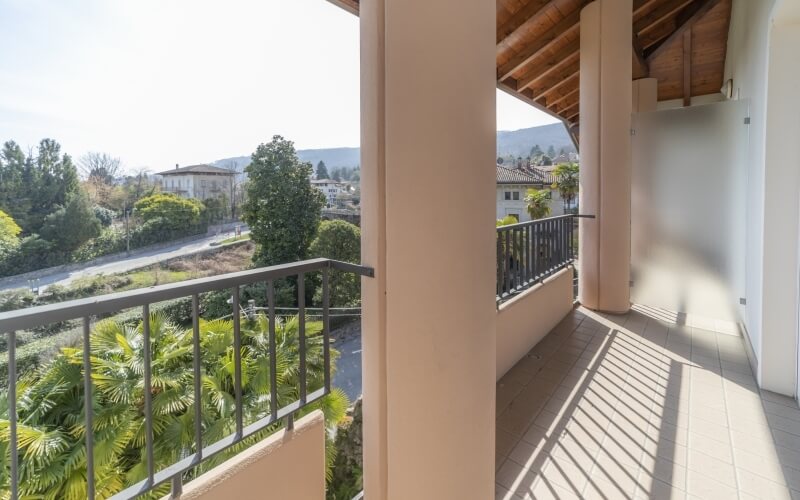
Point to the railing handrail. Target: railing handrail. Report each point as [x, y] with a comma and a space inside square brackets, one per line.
[32, 317]
[539, 221]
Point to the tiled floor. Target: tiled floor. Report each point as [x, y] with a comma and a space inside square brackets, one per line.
[642, 405]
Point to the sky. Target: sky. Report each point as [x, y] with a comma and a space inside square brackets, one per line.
[158, 82]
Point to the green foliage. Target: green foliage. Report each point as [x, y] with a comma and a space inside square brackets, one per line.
[216, 208]
[506, 221]
[551, 151]
[51, 433]
[104, 215]
[538, 203]
[9, 230]
[339, 240]
[169, 211]
[322, 170]
[71, 226]
[567, 181]
[282, 209]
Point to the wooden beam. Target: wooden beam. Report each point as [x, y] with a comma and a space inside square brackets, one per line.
[687, 67]
[540, 72]
[538, 46]
[565, 96]
[641, 67]
[662, 12]
[570, 78]
[569, 109]
[572, 116]
[640, 5]
[686, 20]
[531, 10]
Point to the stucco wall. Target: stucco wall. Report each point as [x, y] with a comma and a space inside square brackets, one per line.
[288, 465]
[523, 321]
[506, 207]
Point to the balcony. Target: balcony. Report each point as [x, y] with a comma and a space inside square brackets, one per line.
[642, 405]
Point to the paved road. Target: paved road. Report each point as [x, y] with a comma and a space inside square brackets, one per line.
[124, 264]
[348, 366]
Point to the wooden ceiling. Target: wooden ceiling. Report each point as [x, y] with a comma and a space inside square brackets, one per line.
[682, 43]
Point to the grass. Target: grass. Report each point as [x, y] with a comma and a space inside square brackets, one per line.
[244, 237]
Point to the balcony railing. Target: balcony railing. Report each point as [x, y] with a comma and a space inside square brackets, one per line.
[528, 252]
[272, 412]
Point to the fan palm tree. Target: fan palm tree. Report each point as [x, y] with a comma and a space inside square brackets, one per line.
[50, 406]
[567, 182]
[538, 203]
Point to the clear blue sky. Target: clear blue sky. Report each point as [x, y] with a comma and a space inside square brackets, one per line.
[159, 82]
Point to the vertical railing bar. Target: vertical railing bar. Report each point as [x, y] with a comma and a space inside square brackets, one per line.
[519, 259]
[237, 362]
[273, 349]
[301, 316]
[88, 408]
[326, 329]
[148, 395]
[12, 413]
[528, 249]
[176, 487]
[499, 264]
[507, 264]
[198, 395]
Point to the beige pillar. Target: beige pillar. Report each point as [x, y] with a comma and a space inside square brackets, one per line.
[605, 122]
[428, 206]
[645, 95]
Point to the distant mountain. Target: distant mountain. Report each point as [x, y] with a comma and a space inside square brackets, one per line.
[520, 142]
[516, 143]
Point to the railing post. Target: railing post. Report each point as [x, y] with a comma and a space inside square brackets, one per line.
[12, 414]
[88, 403]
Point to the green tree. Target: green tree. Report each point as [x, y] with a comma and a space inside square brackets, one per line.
[71, 226]
[340, 240]
[170, 211]
[551, 151]
[538, 203]
[567, 182]
[51, 400]
[50, 183]
[336, 174]
[282, 209]
[13, 191]
[322, 170]
[9, 230]
[536, 151]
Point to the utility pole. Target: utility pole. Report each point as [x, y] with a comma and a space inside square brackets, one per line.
[127, 232]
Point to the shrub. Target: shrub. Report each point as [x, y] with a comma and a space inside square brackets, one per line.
[11, 300]
[104, 215]
[71, 226]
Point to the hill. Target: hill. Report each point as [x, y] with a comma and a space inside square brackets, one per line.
[515, 142]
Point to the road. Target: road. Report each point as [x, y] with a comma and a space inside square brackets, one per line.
[348, 366]
[123, 264]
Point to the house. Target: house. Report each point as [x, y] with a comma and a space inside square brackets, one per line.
[330, 188]
[672, 374]
[198, 181]
[512, 185]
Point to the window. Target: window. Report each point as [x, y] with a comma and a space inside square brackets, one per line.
[508, 195]
[515, 194]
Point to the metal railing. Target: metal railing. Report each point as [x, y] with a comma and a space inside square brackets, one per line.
[26, 319]
[528, 252]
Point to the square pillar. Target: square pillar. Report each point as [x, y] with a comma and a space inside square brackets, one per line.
[605, 183]
[428, 207]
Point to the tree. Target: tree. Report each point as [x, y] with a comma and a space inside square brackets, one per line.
[336, 174]
[170, 211]
[100, 166]
[567, 182]
[536, 151]
[71, 226]
[322, 170]
[538, 203]
[13, 191]
[551, 151]
[55, 181]
[282, 209]
[340, 240]
[9, 230]
[51, 430]
[545, 160]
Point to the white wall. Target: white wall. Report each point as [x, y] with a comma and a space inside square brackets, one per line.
[525, 320]
[506, 207]
[761, 61]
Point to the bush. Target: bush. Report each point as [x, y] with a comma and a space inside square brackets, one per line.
[31, 254]
[11, 300]
[71, 226]
[339, 240]
[172, 212]
[104, 215]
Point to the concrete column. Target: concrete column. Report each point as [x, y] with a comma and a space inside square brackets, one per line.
[605, 122]
[428, 207]
[645, 95]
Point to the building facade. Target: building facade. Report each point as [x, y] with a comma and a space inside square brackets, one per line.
[198, 181]
[512, 186]
[330, 188]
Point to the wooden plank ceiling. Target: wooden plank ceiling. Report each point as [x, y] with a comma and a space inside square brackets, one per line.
[682, 43]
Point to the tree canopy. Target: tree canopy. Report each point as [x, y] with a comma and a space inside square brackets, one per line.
[9, 230]
[567, 181]
[340, 240]
[538, 203]
[71, 226]
[282, 208]
[171, 211]
[322, 170]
